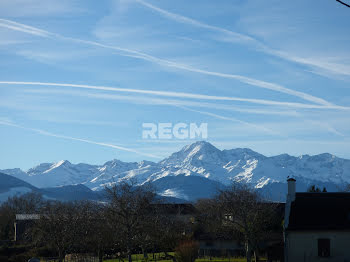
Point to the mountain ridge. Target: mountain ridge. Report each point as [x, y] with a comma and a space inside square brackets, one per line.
[199, 159]
[11, 186]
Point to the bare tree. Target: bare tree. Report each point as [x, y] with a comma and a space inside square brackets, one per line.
[101, 233]
[165, 228]
[63, 226]
[29, 203]
[128, 207]
[243, 211]
[207, 219]
[6, 222]
[26, 204]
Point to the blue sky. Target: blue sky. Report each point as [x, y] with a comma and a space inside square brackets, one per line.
[78, 78]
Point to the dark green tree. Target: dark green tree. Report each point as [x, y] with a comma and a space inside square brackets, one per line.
[314, 189]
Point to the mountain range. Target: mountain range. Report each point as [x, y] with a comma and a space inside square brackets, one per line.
[196, 171]
[10, 186]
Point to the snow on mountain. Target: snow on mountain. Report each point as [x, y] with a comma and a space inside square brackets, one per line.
[187, 187]
[200, 159]
[61, 173]
[116, 171]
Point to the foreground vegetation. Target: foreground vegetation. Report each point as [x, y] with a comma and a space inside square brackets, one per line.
[160, 257]
[133, 220]
[139, 258]
[206, 259]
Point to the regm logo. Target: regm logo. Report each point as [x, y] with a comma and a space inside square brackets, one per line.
[174, 131]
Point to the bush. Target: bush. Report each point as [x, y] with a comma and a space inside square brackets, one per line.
[16, 253]
[19, 257]
[187, 251]
[3, 258]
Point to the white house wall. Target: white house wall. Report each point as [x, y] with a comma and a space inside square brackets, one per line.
[303, 246]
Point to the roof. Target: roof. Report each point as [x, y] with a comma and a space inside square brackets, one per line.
[27, 216]
[176, 209]
[320, 211]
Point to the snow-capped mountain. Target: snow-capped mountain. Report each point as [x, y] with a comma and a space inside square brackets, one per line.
[202, 160]
[61, 173]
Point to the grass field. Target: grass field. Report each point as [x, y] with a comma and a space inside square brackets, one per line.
[160, 258]
[140, 258]
[197, 260]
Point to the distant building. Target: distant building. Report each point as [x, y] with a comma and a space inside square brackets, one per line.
[317, 226]
[223, 243]
[219, 245]
[22, 223]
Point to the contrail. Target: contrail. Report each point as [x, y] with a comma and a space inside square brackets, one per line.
[324, 65]
[188, 104]
[24, 28]
[45, 133]
[187, 20]
[163, 62]
[266, 130]
[162, 101]
[180, 95]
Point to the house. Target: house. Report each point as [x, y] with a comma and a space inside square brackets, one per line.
[317, 226]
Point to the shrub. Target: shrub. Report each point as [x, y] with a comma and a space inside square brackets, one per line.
[187, 251]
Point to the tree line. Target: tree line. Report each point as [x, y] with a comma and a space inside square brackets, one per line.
[134, 219]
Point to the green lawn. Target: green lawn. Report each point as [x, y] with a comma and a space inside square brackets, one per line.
[139, 258]
[197, 260]
[125, 260]
[219, 259]
[160, 258]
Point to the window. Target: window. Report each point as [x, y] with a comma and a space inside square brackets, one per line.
[228, 217]
[324, 247]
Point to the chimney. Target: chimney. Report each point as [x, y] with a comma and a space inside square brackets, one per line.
[290, 199]
[291, 189]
